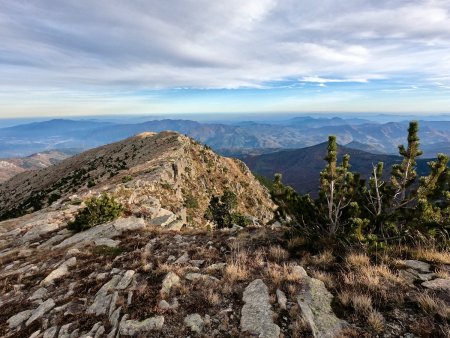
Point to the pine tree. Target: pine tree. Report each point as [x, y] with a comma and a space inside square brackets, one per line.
[433, 194]
[404, 174]
[337, 186]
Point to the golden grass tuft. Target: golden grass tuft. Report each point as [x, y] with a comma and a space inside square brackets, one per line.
[326, 277]
[362, 303]
[432, 255]
[376, 321]
[278, 254]
[213, 297]
[357, 259]
[324, 259]
[237, 267]
[432, 305]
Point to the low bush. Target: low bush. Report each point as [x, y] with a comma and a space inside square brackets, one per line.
[98, 210]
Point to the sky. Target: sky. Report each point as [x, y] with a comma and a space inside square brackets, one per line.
[79, 57]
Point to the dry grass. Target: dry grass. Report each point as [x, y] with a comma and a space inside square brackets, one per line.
[357, 259]
[345, 297]
[374, 277]
[376, 321]
[237, 267]
[442, 274]
[324, 259]
[213, 297]
[259, 258]
[432, 305]
[325, 277]
[278, 254]
[362, 303]
[432, 255]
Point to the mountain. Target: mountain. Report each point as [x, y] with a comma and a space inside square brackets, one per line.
[295, 133]
[362, 146]
[166, 167]
[12, 166]
[301, 167]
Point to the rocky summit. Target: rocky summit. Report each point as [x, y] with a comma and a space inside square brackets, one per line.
[155, 174]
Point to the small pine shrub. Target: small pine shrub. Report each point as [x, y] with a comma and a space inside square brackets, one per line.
[126, 179]
[190, 202]
[98, 210]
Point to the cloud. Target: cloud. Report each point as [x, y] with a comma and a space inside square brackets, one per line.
[112, 45]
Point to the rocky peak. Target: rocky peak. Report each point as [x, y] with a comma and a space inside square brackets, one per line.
[146, 172]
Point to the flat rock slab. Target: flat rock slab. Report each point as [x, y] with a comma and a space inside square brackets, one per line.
[40, 311]
[438, 284]
[59, 272]
[315, 302]
[257, 314]
[107, 230]
[169, 281]
[134, 327]
[417, 265]
[19, 319]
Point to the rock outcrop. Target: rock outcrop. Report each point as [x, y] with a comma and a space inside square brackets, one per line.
[257, 314]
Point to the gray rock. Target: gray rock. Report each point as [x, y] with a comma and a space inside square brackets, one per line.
[19, 319]
[102, 300]
[51, 332]
[100, 305]
[182, 259]
[175, 225]
[197, 262]
[100, 332]
[75, 333]
[134, 327]
[106, 242]
[164, 305]
[125, 281]
[59, 272]
[282, 300]
[417, 265]
[315, 302]
[438, 284]
[38, 294]
[216, 267]
[64, 331]
[35, 334]
[164, 218]
[257, 314]
[194, 322]
[40, 311]
[108, 230]
[114, 318]
[299, 272]
[194, 276]
[112, 305]
[169, 281]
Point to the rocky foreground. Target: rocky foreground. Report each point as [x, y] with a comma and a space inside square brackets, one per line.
[131, 278]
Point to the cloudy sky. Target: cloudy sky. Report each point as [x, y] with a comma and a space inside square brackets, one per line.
[76, 57]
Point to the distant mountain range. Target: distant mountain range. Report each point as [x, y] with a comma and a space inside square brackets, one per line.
[300, 132]
[301, 167]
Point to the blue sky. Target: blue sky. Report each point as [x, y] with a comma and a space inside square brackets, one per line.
[78, 57]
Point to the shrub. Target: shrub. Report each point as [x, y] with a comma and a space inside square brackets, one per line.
[190, 202]
[126, 179]
[221, 211]
[98, 210]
